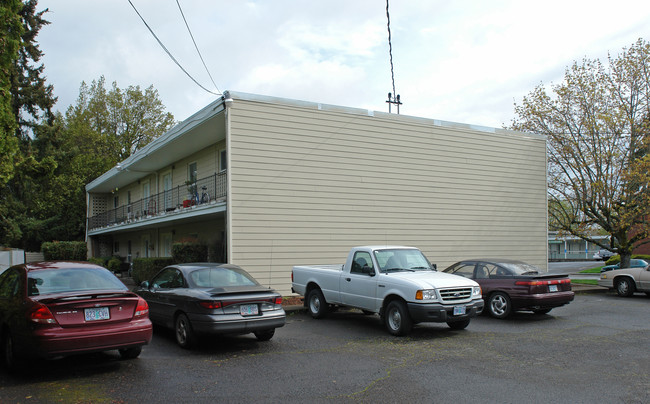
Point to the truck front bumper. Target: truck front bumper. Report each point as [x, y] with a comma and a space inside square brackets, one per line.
[440, 313]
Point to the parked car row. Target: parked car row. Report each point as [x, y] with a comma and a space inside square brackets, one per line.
[52, 309]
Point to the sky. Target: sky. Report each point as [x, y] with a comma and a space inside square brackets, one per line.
[466, 61]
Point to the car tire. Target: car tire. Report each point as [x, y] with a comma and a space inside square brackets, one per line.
[458, 325]
[499, 305]
[625, 287]
[397, 319]
[184, 332]
[542, 311]
[316, 304]
[9, 356]
[264, 335]
[130, 353]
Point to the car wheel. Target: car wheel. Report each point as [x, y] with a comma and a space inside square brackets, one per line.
[316, 304]
[10, 358]
[184, 332]
[130, 353]
[624, 287]
[542, 311]
[265, 335]
[397, 319]
[499, 305]
[458, 325]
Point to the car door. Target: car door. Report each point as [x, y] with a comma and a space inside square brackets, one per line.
[11, 295]
[359, 286]
[644, 279]
[162, 293]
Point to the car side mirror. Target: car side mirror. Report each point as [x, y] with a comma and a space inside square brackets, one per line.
[369, 271]
[434, 267]
[144, 285]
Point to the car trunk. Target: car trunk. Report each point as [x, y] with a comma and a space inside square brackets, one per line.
[92, 308]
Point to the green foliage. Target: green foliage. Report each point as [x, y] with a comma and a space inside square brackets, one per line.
[596, 123]
[65, 250]
[11, 30]
[615, 259]
[114, 264]
[98, 261]
[189, 252]
[145, 268]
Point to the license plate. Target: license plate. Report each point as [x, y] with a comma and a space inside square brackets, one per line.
[99, 313]
[552, 288]
[459, 310]
[248, 310]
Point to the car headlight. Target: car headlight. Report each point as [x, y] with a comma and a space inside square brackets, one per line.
[426, 294]
[476, 291]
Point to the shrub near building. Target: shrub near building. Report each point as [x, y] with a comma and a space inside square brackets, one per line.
[145, 268]
[65, 250]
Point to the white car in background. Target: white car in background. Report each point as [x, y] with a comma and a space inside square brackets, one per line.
[626, 281]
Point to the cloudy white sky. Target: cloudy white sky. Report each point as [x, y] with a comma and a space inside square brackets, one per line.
[465, 61]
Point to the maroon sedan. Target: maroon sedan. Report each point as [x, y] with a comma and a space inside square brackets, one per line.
[510, 285]
[51, 309]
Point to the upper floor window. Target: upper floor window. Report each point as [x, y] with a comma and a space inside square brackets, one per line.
[223, 163]
[192, 172]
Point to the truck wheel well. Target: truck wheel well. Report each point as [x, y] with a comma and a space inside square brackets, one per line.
[310, 286]
[387, 300]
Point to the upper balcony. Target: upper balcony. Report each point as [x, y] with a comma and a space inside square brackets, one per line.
[180, 200]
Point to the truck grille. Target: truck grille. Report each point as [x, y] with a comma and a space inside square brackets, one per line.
[455, 294]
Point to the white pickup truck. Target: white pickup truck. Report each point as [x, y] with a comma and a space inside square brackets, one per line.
[397, 282]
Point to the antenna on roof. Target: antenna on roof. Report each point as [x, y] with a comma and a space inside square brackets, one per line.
[395, 101]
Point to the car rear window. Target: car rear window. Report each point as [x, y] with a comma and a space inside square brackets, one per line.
[50, 281]
[221, 277]
[520, 268]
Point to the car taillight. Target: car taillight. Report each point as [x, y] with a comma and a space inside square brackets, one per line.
[142, 309]
[212, 304]
[278, 300]
[535, 283]
[42, 315]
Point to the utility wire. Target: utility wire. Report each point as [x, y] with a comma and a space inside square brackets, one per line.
[196, 47]
[167, 51]
[390, 50]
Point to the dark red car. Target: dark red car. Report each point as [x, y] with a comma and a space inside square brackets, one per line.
[50, 309]
[510, 285]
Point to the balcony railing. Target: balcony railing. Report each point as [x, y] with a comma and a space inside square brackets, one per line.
[204, 191]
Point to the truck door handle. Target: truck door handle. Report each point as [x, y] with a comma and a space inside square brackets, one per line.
[348, 279]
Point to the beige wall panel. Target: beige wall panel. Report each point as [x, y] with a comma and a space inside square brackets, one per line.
[307, 185]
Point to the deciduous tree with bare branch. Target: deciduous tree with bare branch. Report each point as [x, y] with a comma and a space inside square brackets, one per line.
[596, 122]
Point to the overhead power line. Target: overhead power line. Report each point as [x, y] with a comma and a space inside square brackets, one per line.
[196, 47]
[391, 100]
[169, 53]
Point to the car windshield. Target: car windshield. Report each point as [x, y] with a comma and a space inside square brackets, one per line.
[61, 280]
[520, 268]
[402, 260]
[220, 277]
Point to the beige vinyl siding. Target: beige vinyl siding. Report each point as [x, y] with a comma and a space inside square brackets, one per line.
[308, 184]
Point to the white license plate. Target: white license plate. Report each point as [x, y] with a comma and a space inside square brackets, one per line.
[459, 310]
[248, 310]
[552, 288]
[99, 313]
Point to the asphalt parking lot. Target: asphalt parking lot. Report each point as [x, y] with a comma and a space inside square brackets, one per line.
[593, 350]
